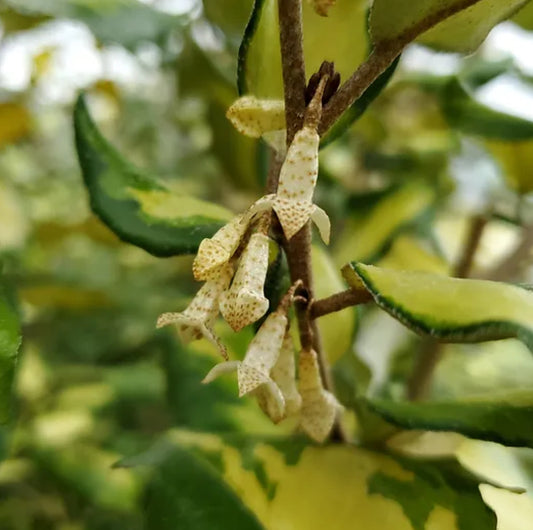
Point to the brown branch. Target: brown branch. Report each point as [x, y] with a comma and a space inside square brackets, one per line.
[475, 231]
[384, 53]
[339, 301]
[293, 66]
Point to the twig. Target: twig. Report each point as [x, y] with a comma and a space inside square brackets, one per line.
[379, 60]
[339, 301]
[431, 350]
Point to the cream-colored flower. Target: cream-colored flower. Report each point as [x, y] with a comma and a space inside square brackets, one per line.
[319, 407]
[322, 6]
[255, 117]
[263, 351]
[214, 253]
[244, 302]
[197, 320]
[284, 375]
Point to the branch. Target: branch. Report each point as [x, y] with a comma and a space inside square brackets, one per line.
[379, 60]
[339, 301]
[293, 66]
[475, 231]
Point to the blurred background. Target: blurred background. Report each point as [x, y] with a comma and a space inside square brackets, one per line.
[96, 381]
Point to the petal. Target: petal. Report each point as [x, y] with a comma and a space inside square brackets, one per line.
[250, 378]
[292, 215]
[319, 407]
[242, 308]
[215, 252]
[284, 375]
[299, 172]
[271, 400]
[264, 349]
[220, 369]
[321, 220]
[263, 204]
[245, 303]
[253, 117]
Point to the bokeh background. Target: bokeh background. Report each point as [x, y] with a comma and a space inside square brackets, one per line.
[95, 381]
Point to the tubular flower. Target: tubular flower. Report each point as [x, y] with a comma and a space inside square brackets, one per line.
[214, 253]
[319, 407]
[244, 302]
[293, 201]
[198, 318]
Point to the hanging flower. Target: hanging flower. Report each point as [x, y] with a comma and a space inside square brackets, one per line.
[245, 302]
[254, 372]
[319, 407]
[198, 318]
[214, 253]
[293, 201]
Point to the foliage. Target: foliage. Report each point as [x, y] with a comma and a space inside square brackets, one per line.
[410, 411]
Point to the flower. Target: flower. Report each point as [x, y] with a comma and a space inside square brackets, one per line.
[266, 368]
[197, 320]
[293, 200]
[214, 253]
[244, 302]
[319, 407]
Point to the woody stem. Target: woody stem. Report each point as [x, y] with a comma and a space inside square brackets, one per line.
[298, 249]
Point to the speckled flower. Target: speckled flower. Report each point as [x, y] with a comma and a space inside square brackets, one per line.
[197, 320]
[319, 407]
[244, 302]
[214, 253]
[254, 117]
[254, 372]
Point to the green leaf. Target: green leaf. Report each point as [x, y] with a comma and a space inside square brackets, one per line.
[106, 18]
[515, 160]
[290, 484]
[454, 25]
[498, 417]
[186, 492]
[450, 309]
[364, 239]
[340, 37]
[10, 339]
[464, 113]
[135, 206]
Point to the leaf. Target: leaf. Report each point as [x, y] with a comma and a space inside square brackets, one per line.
[135, 206]
[186, 492]
[106, 18]
[464, 113]
[515, 160]
[457, 25]
[449, 309]
[497, 417]
[10, 339]
[364, 239]
[290, 484]
[336, 329]
[340, 37]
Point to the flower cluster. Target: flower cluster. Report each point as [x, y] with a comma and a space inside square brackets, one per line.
[234, 263]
